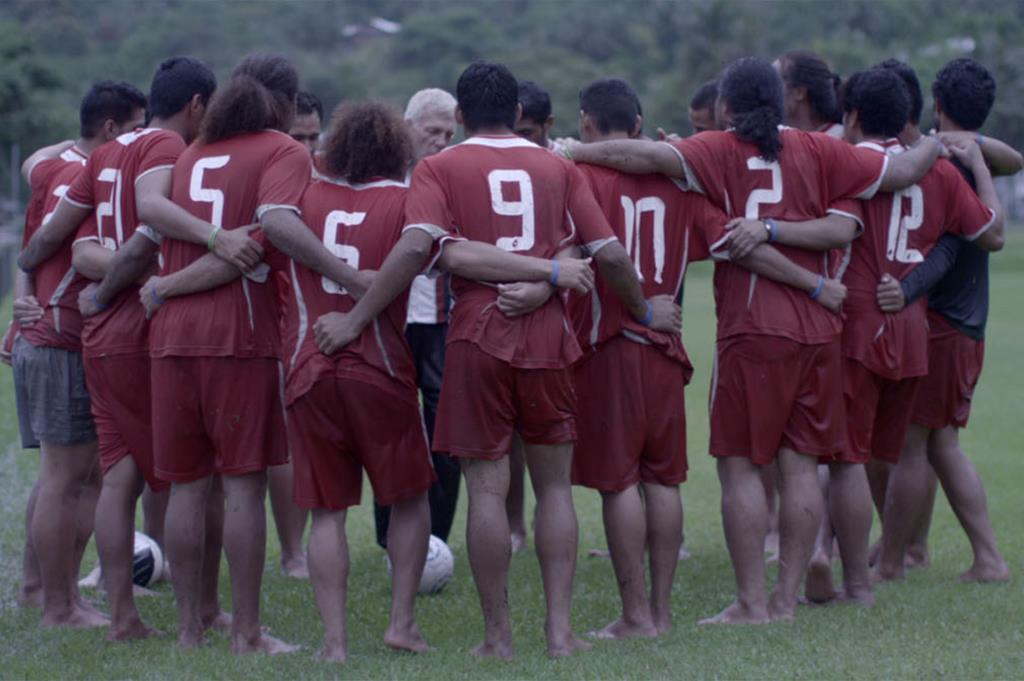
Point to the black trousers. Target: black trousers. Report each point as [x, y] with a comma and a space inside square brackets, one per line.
[427, 344]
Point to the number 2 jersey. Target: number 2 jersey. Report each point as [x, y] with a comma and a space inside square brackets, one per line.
[900, 229]
[812, 174]
[663, 229]
[229, 183]
[56, 282]
[359, 223]
[108, 186]
[509, 192]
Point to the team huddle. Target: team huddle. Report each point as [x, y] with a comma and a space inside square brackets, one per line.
[213, 295]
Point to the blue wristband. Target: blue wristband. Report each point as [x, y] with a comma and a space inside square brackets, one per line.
[156, 297]
[817, 291]
[773, 229]
[648, 315]
[555, 268]
[97, 303]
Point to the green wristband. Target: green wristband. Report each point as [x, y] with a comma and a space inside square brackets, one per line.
[212, 239]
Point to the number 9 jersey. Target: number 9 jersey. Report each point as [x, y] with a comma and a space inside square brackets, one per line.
[509, 192]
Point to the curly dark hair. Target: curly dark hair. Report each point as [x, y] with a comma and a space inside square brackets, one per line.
[260, 94]
[367, 140]
[880, 98]
[965, 90]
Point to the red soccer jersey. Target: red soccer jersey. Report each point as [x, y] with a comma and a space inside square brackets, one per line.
[108, 186]
[663, 229]
[509, 192]
[900, 229]
[56, 282]
[229, 183]
[360, 224]
[813, 172]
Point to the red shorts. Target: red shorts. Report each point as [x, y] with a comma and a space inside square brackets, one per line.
[217, 415]
[877, 414]
[954, 367]
[119, 389]
[342, 426]
[769, 392]
[631, 418]
[484, 399]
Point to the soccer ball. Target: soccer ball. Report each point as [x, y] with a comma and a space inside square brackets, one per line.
[148, 561]
[437, 569]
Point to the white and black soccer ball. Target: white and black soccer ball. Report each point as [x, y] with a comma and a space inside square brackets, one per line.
[437, 569]
[148, 564]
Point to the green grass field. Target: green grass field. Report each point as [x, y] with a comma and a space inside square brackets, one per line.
[928, 626]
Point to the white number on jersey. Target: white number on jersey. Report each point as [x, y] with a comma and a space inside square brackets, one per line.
[523, 208]
[200, 194]
[348, 254]
[758, 197]
[901, 225]
[111, 208]
[59, 192]
[633, 218]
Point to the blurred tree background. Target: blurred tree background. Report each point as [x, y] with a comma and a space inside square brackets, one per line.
[50, 50]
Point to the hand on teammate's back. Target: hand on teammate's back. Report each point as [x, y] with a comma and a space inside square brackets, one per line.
[575, 273]
[27, 310]
[666, 316]
[333, 331]
[5, 356]
[151, 297]
[967, 152]
[890, 294]
[87, 304]
[744, 235]
[667, 136]
[832, 295]
[237, 247]
[523, 297]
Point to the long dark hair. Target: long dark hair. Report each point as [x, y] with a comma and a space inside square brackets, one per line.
[260, 94]
[367, 140]
[803, 68]
[753, 91]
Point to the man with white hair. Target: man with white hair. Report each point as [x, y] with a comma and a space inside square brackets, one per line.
[430, 115]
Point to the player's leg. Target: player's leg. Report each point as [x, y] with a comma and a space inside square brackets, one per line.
[64, 470]
[905, 498]
[115, 530]
[185, 540]
[30, 593]
[664, 509]
[407, 547]
[917, 552]
[818, 586]
[744, 519]
[489, 547]
[328, 568]
[515, 503]
[625, 529]
[849, 499]
[556, 539]
[771, 491]
[154, 513]
[210, 613]
[800, 508]
[290, 521]
[966, 494]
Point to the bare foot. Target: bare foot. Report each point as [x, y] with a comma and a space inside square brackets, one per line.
[264, 644]
[132, 631]
[620, 629]
[30, 597]
[85, 606]
[221, 621]
[406, 639]
[917, 558]
[771, 547]
[501, 651]
[857, 595]
[337, 653]
[518, 541]
[987, 572]
[93, 580]
[738, 613]
[74, 618]
[296, 567]
[684, 553]
[598, 553]
[779, 611]
[884, 573]
[818, 586]
[662, 622]
[567, 646]
[142, 592]
[187, 639]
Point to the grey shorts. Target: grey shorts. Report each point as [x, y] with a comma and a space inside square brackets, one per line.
[52, 400]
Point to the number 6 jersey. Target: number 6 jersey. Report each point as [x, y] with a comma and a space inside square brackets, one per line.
[229, 183]
[509, 192]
